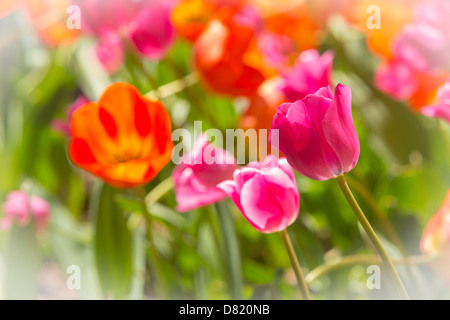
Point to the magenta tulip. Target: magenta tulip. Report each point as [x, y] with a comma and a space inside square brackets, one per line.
[197, 177]
[266, 194]
[311, 72]
[317, 134]
[396, 79]
[442, 108]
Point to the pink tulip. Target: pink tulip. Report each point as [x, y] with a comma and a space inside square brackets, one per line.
[396, 79]
[424, 44]
[21, 207]
[152, 32]
[110, 52]
[436, 240]
[442, 109]
[317, 134]
[145, 24]
[276, 49]
[266, 194]
[310, 73]
[196, 178]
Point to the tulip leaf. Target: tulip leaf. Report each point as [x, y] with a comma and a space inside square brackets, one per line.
[231, 250]
[112, 244]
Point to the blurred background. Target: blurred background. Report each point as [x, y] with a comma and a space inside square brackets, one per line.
[228, 64]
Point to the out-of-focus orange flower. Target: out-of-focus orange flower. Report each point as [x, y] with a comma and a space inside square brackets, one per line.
[436, 240]
[6, 6]
[262, 109]
[394, 16]
[219, 55]
[124, 139]
[428, 86]
[50, 19]
[190, 17]
[294, 22]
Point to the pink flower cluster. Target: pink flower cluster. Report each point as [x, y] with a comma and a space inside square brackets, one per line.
[144, 25]
[21, 207]
[420, 62]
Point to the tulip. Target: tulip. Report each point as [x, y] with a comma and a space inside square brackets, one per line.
[196, 178]
[220, 51]
[310, 73]
[266, 194]
[436, 240]
[442, 109]
[21, 207]
[317, 134]
[396, 79]
[425, 42]
[145, 24]
[124, 139]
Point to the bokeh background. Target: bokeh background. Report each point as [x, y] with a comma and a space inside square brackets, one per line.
[211, 252]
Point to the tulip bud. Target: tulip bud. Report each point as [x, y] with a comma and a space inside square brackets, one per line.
[266, 194]
[317, 134]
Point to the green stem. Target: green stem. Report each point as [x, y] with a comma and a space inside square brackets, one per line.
[343, 262]
[295, 265]
[381, 217]
[158, 192]
[231, 250]
[372, 236]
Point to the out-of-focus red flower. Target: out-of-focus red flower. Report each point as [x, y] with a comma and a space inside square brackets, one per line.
[220, 53]
[124, 139]
[436, 240]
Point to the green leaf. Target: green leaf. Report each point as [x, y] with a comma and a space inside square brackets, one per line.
[113, 244]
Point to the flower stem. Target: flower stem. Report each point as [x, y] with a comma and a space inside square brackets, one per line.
[379, 214]
[343, 262]
[295, 265]
[372, 236]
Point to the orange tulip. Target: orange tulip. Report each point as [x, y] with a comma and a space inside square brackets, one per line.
[295, 23]
[124, 139]
[190, 17]
[261, 110]
[436, 240]
[220, 55]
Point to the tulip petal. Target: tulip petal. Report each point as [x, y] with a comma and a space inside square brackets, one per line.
[339, 129]
[229, 187]
[270, 202]
[302, 148]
